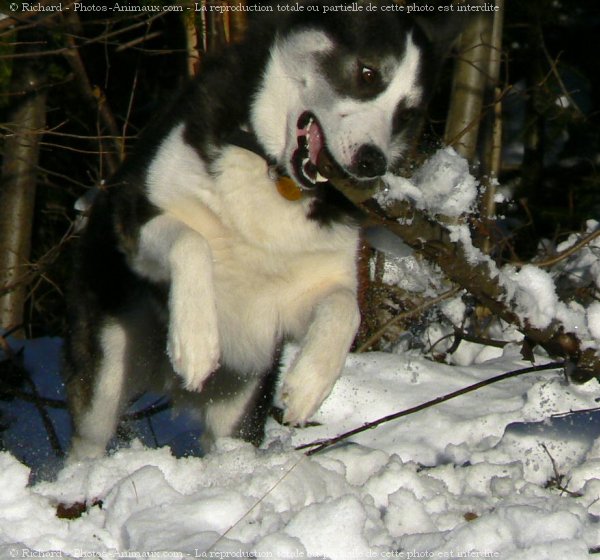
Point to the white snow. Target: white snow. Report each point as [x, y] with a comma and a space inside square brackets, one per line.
[584, 265]
[467, 477]
[443, 185]
[593, 319]
[533, 293]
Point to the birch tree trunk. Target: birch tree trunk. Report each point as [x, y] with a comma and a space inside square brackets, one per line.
[18, 186]
[469, 86]
[472, 129]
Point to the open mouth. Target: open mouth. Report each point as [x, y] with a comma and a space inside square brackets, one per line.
[312, 162]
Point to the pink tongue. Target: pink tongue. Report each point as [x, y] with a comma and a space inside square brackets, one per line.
[315, 143]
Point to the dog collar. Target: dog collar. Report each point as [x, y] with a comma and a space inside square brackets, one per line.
[286, 186]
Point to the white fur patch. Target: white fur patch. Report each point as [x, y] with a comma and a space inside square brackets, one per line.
[98, 424]
[237, 247]
[183, 256]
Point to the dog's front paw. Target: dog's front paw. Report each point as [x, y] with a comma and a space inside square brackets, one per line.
[302, 395]
[194, 355]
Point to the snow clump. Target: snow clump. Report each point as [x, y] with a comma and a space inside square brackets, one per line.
[443, 185]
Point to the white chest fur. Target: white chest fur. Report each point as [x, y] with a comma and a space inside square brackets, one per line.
[270, 265]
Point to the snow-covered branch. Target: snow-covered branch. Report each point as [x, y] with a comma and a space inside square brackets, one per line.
[428, 213]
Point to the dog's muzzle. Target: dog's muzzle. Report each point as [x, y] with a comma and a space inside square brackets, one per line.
[369, 162]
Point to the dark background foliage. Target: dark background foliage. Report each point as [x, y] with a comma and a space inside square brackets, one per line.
[134, 63]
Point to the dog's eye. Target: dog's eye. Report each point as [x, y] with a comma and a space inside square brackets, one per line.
[369, 76]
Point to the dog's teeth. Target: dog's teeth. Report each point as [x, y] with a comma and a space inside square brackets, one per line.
[321, 179]
[306, 162]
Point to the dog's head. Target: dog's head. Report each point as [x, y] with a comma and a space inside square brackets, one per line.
[343, 91]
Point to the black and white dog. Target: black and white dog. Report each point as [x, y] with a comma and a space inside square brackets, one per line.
[224, 235]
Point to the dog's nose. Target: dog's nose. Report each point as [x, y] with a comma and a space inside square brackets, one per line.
[369, 162]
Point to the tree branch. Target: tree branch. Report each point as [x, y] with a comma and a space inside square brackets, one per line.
[324, 443]
[434, 241]
[405, 315]
[94, 97]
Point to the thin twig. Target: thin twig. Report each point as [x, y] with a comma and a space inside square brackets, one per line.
[34, 397]
[405, 315]
[129, 109]
[480, 340]
[563, 254]
[557, 481]
[94, 96]
[37, 268]
[147, 412]
[257, 502]
[477, 120]
[319, 445]
[79, 150]
[574, 412]
[31, 398]
[138, 40]
[557, 76]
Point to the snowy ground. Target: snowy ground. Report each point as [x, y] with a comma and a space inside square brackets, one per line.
[467, 478]
[499, 473]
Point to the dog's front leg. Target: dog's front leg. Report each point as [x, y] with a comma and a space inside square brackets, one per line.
[169, 250]
[321, 358]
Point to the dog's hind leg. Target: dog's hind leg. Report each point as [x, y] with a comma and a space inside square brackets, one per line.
[238, 407]
[96, 409]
